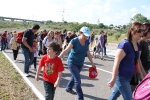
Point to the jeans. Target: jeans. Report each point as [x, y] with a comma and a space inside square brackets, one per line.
[104, 49]
[29, 56]
[122, 87]
[49, 90]
[3, 45]
[75, 79]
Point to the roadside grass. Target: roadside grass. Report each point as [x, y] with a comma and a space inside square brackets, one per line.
[112, 39]
[12, 86]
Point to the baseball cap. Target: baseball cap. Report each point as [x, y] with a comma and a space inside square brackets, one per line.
[92, 72]
[86, 31]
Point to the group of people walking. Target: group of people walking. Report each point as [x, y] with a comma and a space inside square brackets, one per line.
[133, 55]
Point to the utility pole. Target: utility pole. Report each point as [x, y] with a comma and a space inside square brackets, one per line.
[63, 13]
[98, 22]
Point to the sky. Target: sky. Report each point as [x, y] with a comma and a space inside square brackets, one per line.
[116, 12]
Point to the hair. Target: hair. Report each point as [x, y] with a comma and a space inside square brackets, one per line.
[64, 31]
[133, 29]
[101, 32]
[146, 28]
[55, 46]
[36, 26]
[50, 32]
[56, 32]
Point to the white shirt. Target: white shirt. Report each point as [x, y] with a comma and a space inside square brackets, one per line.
[46, 41]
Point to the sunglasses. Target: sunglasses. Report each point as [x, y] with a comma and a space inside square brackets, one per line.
[140, 31]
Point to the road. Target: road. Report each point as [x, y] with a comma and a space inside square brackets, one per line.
[93, 89]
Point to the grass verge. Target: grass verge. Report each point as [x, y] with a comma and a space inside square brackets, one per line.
[12, 86]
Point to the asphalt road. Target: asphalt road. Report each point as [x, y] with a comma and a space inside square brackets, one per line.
[93, 89]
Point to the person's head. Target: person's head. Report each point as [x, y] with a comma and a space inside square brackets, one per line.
[146, 30]
[69, 33]
[105, 33]
[135, 31]
[15, 31]
[85, 32]
[34, 42]
[35, 28]
[53, 48]
[56, 34]
[64, 31]
[5, 32]
[50, 34]
[102, 32]
[44, 31]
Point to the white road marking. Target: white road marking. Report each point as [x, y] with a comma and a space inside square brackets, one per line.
[99, 69]
[35, 90]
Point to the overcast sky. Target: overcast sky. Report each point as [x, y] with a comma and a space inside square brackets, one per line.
[116, 12]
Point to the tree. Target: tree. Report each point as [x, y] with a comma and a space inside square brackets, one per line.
[139, 18]
[101, 25]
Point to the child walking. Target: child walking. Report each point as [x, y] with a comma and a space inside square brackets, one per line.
[35, 49]
[53, 68]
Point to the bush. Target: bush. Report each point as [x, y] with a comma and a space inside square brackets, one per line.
[117, 35]
[110, 33]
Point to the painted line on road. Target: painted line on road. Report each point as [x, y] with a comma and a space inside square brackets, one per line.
[35, 90]
[99, 69]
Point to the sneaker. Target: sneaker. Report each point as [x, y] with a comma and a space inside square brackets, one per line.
[35, 69]
[15, 61]
[27, 75]
[71, 91]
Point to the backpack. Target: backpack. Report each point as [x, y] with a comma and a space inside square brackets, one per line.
[142, 91]
[19, 37]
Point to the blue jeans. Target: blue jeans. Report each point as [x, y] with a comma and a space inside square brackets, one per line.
[49, 90]
[3, 45]
[122, 87]
[75, 79]
[29, 56]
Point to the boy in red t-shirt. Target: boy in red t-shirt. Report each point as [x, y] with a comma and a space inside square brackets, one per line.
[53, 68]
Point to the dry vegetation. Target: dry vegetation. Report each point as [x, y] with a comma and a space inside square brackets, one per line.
[12, 86]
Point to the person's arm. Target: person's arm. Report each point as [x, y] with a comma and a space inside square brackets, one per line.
[68, 48]
[37, 73]
[58, 79]
[120, 54]
[141, 66]
[24, 41]
[90, 57]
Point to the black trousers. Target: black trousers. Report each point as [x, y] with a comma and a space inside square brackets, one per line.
[34, 62]
[15, 54]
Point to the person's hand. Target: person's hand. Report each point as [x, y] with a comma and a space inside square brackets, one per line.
[31, 49]
[111, 83]
[37, 77]
[56, 84]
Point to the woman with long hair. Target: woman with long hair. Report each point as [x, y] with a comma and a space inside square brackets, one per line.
[127, 55]
[49, 38]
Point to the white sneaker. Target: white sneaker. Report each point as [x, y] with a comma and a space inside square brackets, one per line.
[27, 75]
[15, 61]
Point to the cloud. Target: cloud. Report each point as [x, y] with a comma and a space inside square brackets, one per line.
[107, 11]
[146, 10]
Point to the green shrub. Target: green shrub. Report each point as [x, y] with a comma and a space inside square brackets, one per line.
[117, 35]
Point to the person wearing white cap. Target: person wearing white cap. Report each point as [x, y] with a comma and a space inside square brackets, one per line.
[79, 47]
